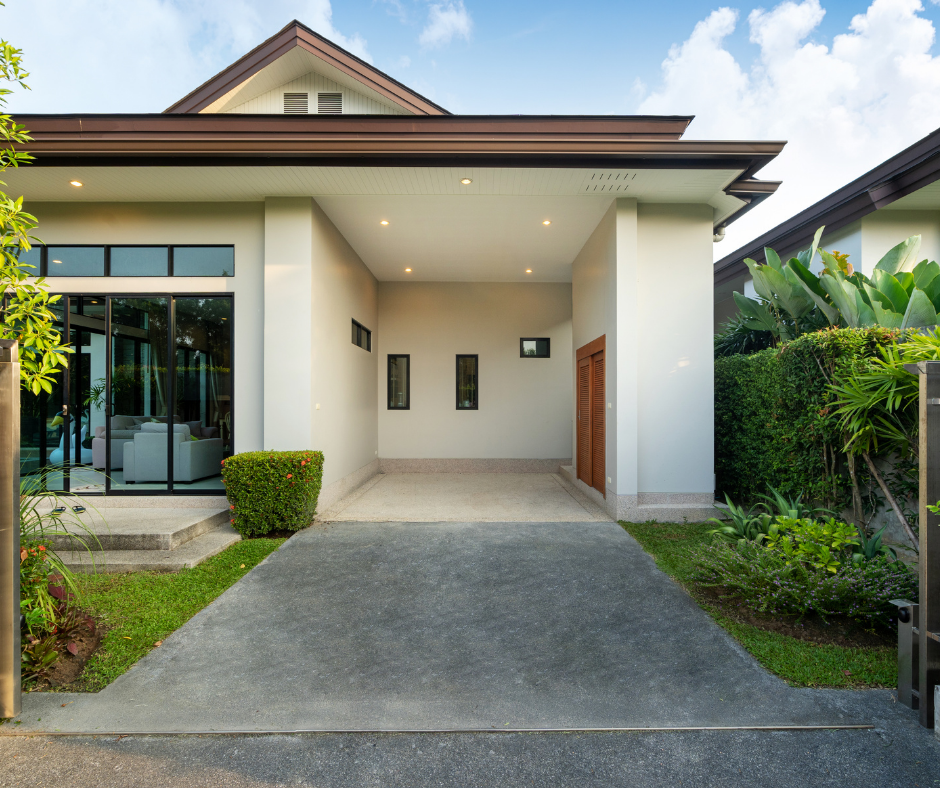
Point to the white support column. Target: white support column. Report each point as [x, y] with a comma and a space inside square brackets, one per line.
[288, 318]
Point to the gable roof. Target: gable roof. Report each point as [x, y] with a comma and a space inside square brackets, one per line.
[298, 36]
[910, 170]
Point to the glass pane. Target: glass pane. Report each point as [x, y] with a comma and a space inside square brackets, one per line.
[139, 261]
[398, 383]
[76, 261]
[86, 394]
[536, 348]
[203, 391]
[43, 427]
[33, 257]
[467, 394]
[139, 386]
[203, 261]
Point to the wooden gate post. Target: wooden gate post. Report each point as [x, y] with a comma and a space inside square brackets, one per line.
[9, 529]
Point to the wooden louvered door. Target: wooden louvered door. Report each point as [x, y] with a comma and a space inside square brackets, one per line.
[592, 416]
[584, 420]
[598, 422]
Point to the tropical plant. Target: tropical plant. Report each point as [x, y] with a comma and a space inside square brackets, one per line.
[779, 505]
[871, 547]
[737, 337]
[821, 544]
[901, 293]
[741, 525]
[25, 304]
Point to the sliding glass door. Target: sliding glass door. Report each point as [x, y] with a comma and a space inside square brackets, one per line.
[146, 404]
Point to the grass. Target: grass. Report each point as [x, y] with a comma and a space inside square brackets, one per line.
[675, 548]
[142, 608]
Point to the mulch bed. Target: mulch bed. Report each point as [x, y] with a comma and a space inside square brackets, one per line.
[66, 671]
[811, 628]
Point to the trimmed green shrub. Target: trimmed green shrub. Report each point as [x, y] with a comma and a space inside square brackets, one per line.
[774, 420]
[272, 490]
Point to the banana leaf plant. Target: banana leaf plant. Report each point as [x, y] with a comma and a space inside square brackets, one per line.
[901, 292]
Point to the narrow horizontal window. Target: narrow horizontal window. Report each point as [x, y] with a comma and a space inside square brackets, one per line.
[399, 382]
[32, 258]
[468, 389]
[140, 261]
[76, 261]
[535, 348]
[203, 261]
[361, 336]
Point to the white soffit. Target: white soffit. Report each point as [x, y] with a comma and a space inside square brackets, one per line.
[295, 63]
[174, 184]
[925, 199]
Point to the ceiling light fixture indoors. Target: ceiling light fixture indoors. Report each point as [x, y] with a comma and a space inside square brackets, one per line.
[76, 183]
[384, 222]
[466, 181]
[57, 261]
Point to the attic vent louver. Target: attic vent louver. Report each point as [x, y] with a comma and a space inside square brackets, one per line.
[330, 103]
[607, 181]
[295, 104]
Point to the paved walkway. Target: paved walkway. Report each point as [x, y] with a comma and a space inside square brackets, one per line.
[456, 497]
[457, 626]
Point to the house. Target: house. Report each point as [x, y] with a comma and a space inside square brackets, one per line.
[305, 253]
[867, 217]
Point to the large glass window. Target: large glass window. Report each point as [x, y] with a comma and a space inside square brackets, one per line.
[140, 363]
[399, 382]
[76, 260]
[468, 393]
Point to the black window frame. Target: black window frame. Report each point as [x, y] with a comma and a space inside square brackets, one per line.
[388, 383]
[361, 329]
[546, 340]
[44, 259]
[476, 390]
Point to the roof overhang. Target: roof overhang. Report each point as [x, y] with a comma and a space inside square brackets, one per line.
[298, 36]
[622, 143]
[902, 175]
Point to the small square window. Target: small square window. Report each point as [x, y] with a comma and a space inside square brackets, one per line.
[468, 392]
[361, 336]
[535, 348]
[399, 382]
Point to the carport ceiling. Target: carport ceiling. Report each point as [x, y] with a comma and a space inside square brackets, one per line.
[489, 230]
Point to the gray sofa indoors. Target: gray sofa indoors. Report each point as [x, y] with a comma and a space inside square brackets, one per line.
[145, 455]
[123, 430]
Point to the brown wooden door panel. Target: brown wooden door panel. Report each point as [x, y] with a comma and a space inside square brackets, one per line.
[584, 420]
[598, 423]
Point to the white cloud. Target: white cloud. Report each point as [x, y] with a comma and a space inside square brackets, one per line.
[404, 61]
[843, 108]
[141, 56]
[446, 21]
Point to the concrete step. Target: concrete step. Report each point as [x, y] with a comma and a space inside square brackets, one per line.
[136, 529]
[186, 556]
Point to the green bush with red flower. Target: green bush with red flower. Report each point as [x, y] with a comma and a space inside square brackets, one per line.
[272, 490]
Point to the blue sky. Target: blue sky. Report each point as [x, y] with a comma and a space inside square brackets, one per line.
[847, 83]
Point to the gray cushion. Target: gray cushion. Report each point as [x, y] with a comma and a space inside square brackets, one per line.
[123, 422]
[150, 427]
[195, 428]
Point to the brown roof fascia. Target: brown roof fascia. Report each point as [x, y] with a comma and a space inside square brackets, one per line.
[293, 35]
[903, 174]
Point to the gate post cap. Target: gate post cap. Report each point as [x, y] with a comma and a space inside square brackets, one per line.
[924, 368]
[9, 351]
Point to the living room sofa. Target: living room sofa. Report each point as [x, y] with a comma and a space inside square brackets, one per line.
[146, 454]
[123, 430]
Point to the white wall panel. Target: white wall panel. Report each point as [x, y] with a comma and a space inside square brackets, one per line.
[354, 102]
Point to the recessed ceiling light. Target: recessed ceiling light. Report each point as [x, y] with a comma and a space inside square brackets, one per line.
[528, 270]
[407, 270]
[57, 261]
[384, 222]
[76, 183]
[547, 222]
[466, 181]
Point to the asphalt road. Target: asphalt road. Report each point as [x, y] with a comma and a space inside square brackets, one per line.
[905, 756]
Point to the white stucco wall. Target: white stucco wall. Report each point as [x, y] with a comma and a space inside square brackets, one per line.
[525, 404]
[241, 224]
[887, 228]
[319, 387]
[659, 358]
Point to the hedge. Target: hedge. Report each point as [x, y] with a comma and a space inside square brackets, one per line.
[272, 490]
[773, 416]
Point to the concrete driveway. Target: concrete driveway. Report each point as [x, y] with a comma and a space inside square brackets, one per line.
[453, 626]
[459, 497]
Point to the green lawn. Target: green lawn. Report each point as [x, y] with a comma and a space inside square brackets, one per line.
[142, 608]
[802, 664]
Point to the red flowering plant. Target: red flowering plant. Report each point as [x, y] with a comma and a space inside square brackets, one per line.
[272, 490]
